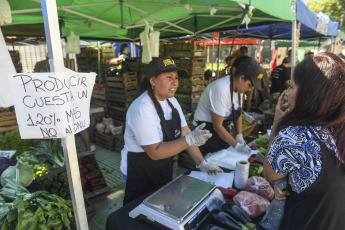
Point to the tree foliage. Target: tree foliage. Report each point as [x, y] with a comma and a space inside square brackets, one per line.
[335, 8]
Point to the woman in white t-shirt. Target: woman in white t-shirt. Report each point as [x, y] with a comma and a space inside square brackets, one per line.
[156, 130]
[221, 103]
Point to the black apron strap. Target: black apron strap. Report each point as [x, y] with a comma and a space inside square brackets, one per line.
[235, 114]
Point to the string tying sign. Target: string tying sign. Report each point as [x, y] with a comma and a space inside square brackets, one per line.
[52, 105]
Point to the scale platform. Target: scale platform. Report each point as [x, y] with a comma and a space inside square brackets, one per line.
[180, 204]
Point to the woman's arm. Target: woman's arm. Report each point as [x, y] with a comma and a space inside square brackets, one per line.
[280, 111]
[165, 150]
[193, 151]
[217, 122]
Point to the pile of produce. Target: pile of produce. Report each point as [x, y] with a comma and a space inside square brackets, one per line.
[12, 141]
[20, 209]
[91, 176]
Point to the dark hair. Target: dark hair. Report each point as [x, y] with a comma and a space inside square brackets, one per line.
[243, 49]
[228, 59]
[320, 98]
[146, 85]
[122, 48]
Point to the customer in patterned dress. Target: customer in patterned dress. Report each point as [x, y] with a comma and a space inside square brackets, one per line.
[307, 145]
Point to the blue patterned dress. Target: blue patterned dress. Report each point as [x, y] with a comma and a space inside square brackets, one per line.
[296, 152]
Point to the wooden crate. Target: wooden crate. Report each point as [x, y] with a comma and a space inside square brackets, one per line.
[191, 81]
[117, 113]
[98, 94]
[190, 89]
[129, 79]
[119, 143]
[94, 119]
[69, 63]
[104, 140]
[8, 122]
[182, 49]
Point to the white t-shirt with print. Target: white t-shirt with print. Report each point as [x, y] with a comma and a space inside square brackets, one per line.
[216, 99]
[143, 125]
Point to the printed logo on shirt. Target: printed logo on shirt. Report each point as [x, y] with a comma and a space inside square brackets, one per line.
[177, 132]
[260, 76]
[168, 62]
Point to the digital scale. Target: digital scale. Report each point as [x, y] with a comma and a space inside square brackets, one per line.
[180, 204]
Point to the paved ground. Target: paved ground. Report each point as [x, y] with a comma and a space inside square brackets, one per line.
[109, 162]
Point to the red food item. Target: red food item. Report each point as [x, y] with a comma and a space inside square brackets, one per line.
[253, 204]
[260, 186]
[228, 193]
[255, 160]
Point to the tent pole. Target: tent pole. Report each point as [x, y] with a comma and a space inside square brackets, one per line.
[121, 7]
[99, 62]
[212, 55]
[294, 45]
[51, 28]
[218, 62]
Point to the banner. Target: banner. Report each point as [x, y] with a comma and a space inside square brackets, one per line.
[52, 105]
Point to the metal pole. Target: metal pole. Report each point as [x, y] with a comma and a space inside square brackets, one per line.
[294, 44]
[51, 28]
[99, 62]
[121, 8]
[218, 62]
[212, 55]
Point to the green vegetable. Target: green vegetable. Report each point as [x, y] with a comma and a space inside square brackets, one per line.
[262, 141]
[50, 151]
[21, 174]
[33, 211]
[12, 141]
[255, 169]
[262, 152]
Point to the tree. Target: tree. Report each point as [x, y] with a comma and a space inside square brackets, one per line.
[335, 8]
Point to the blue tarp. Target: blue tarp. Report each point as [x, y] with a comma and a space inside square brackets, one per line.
[308, 19]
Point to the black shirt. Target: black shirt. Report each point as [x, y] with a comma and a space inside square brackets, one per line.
[239, 61]
[279, 76]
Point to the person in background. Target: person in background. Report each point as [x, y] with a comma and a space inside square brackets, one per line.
[124, 51]
[241, 59]
[43, 66]
[156, 130]
[280, 77]
[221, 103]
[307, 145]
[228, 64]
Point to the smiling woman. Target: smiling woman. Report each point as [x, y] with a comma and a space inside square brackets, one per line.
[156, 130]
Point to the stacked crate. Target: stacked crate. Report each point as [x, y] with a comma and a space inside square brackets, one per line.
[15, 56]
[190, 56]
[190, 88]
[83, 60]
[121, 89]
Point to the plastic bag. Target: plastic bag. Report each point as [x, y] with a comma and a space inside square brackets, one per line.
[100, 127]
[108, 121]
[117, 130]
[216, 201]
[251, 203]
[108, 129]
[154, 42]
[260, 186]
[73, 44]
[275, 211]
[144, 39]
[5, 12]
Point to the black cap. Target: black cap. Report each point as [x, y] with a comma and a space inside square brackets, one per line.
[287, 60]
[253, 70]
[163, 65]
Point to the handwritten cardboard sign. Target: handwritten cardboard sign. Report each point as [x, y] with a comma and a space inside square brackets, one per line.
[52, 105]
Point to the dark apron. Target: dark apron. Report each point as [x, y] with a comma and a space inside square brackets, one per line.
[322, 205]
[145, 174]
[215, 143]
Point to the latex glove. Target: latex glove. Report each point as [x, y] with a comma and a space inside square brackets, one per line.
[239, 139]
[198, 136]
[209, 168]
[242, 148]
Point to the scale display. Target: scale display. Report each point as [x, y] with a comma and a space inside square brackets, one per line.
[178, 198]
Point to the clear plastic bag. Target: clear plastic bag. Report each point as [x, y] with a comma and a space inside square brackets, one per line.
[100, 127]
[275, 211]
[73, 44]
[251, 203]
[117, 130]
[5, 13]
[108, 121]
[109, 128]
[216, 201]
[260, 186]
